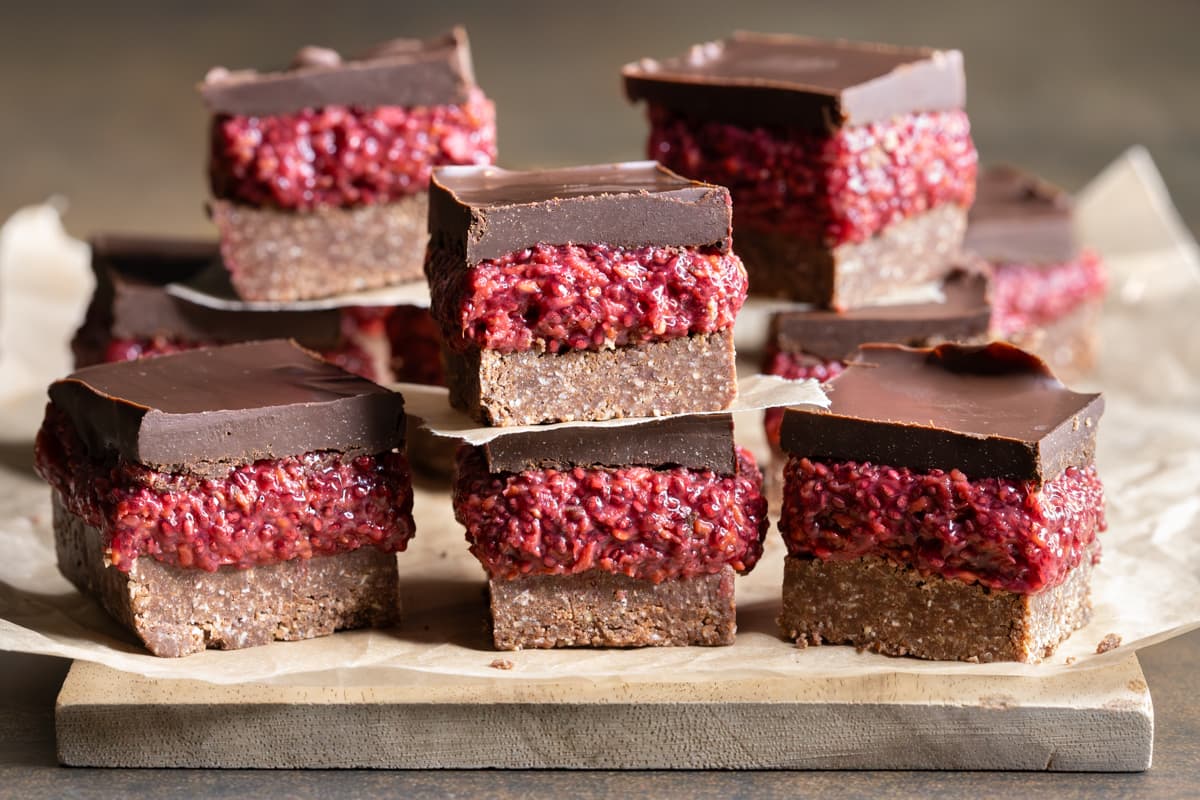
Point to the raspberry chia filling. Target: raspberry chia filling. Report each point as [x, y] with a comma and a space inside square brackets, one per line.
[416, 346]
[794, 367]
[644, 523]
[831, 189]
[350, 356]
[1004, 534]
[1030, 295]
[557, 298]
[315, 504]
[344, 155]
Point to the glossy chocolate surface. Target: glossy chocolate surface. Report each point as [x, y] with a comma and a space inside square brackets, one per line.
[698, 441]
[989, 411]
[1020, 218]
[834, 336]
[228, 405]
[399, 72]
[775, 79]
[488, 212]
[131, 301]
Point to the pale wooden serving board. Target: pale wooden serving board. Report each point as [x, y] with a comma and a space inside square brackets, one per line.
[1091, 720]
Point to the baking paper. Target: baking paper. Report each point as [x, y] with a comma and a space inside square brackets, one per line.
[212, 289]
[755, 393]
[1146, 588]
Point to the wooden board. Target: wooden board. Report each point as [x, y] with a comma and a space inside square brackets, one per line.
[1093, 720]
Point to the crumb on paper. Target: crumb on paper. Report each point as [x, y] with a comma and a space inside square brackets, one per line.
[1110, 641]
[1070, 660]
[1137, 686]
[501, 663]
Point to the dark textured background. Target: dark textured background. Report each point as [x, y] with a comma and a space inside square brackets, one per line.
[98, 100]
[96, 104]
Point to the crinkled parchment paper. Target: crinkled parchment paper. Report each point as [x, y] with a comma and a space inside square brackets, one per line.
[1147, 587]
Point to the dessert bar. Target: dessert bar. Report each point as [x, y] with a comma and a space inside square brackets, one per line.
[1047, 290]
[597, 536]
[132, 315]
[319, 173]
[815, 343]
[851, 165]
[583, 294]
[946, 506]
[226, 497]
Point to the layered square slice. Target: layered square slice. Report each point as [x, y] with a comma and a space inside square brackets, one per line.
[628, 536]
[228, 497]
[586, 293]
[851, 165]
[319, 172]
[1048, 290]
[946, 506]
[133, 315]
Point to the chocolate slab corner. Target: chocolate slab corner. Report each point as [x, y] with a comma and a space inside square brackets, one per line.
[777, 79]
[488, 212]
[398, 72]
[1019, 217]
[695, 441]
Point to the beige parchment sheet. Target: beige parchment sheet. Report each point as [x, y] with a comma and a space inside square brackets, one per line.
[1146, 589]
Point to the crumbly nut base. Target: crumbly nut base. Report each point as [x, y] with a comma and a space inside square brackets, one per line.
[177, 612]
[599, 609]
[286, 255]
[912, 252]
[877, 605]
[689, 374]
[1069, 344]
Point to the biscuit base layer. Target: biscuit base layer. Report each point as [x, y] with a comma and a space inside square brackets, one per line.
[910, 253]
[285, 256]
[877, 605]
[600, 609]
[690, 374]
[178, 612]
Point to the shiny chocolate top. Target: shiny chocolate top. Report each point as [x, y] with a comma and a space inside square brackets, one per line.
[1020, 218]
[964, 315]
[699, 442]
[131, 302]
[991, 411]
[488, 212]
[399, 72]
[774, 79]
[228, 405]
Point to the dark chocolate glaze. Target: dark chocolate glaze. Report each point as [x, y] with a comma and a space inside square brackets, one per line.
[400, 72]
[1018, 217]
[228, 405]
[131, 302]
[834, 336]
[772, 79]
[698, 441]
[991, 411]
[488, 212]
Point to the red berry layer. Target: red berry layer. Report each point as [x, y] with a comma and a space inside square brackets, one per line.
[315, 504]
[416, 349]
[1031, 295]
[828, 189]
[345, 156]
[794, 367]
[556, 298]
[649, 524]
[1004, 534]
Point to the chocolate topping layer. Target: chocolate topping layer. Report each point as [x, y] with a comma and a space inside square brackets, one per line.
[1018, 217]
[965, 314]
[131, 301]
[487, 212]
[699, 442]
[992, 412]
[233, 405]
[400, 72]
[767, 79]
